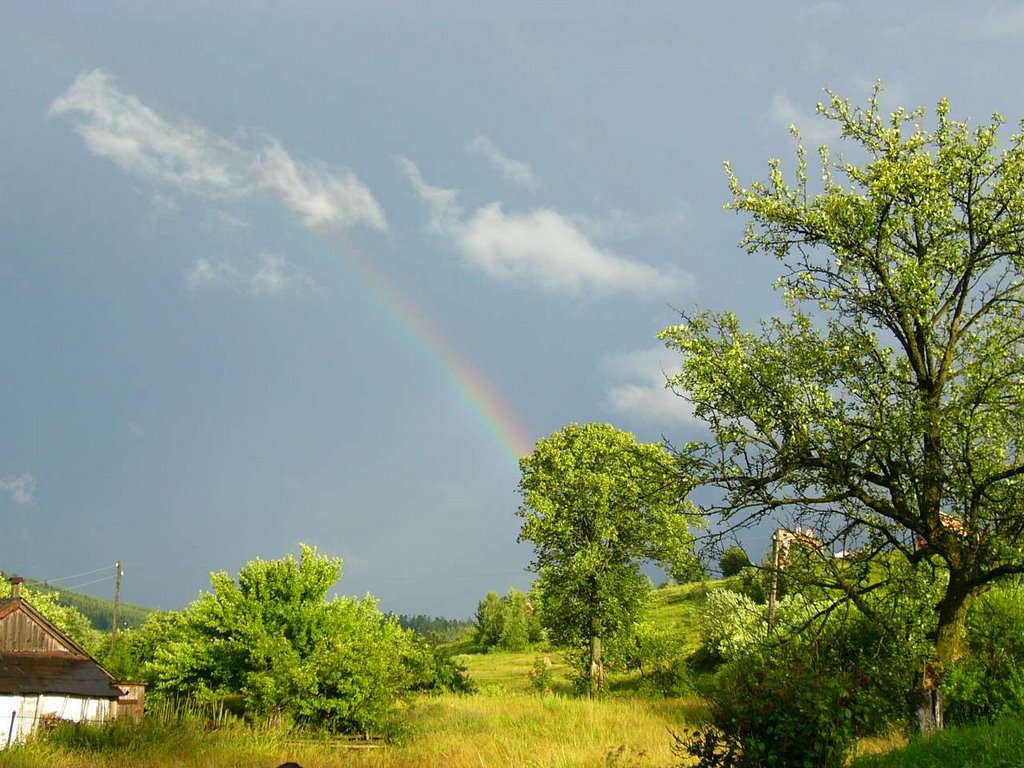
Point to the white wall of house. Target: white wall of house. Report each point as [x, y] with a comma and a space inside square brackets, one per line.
[19, 715]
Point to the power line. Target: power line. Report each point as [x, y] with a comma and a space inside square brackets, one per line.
[78, 575]
[87, 583]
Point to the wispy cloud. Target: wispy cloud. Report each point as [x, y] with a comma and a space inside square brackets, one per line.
[272, 276]
[540, 247]
[619, 224]
[813, 127]
[638, 387]
[186, 157]
[21, 488]
[515, 171]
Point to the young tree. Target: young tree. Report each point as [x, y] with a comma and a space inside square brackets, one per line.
[596, 503]
[887, 407]
[272, 636]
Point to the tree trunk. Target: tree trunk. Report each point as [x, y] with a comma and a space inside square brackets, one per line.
[950, 645]
[596, 667]
[951, 639]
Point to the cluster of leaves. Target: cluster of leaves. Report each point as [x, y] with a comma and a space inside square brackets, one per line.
[507, 623]
[829, 669]
[273, 638]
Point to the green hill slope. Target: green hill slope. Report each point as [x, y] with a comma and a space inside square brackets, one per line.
[98, 611]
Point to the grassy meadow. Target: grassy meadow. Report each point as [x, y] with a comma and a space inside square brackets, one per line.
[504, 724]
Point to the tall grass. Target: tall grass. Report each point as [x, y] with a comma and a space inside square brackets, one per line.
[982, 746]
[458, 732]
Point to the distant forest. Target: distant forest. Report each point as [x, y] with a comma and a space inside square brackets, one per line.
[436, 628]
[99, 611]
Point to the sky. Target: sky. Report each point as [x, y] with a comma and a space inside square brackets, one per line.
[322, 272]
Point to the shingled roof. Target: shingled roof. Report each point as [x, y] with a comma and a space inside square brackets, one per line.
[55, 674]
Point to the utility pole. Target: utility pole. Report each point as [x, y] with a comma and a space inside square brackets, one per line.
[117, 606]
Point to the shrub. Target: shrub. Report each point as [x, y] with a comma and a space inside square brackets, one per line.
[733, 561]
[506, 622]
[732, 624]
[778, 711]
[542, 678]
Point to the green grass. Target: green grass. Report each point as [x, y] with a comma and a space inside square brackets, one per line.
[981, 746]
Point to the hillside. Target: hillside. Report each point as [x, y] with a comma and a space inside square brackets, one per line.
[673, 616]
[99, 611]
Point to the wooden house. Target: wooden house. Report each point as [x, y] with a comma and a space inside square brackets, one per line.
[46, 675]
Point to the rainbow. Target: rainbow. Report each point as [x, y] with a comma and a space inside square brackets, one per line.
[480, 397]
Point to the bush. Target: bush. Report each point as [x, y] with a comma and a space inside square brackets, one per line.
[542, 677]
[732, 624]
[782, 712]
[733, 561]
[801, 697]
[506, 622]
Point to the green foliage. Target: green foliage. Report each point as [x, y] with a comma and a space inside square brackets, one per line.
[596, 504]
[506, 623]
[658, 654]
[435, 671]
[733, 561]
[272, 637]
[436, 629]
[786, 711]
[884, 405]
[989, 683]
[732, 624]
[542, 676]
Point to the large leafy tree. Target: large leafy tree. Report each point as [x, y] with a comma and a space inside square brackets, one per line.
[272, 636]
[596, 504]
[885, 407]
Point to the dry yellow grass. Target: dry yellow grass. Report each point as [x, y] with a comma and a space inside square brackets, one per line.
[483, 731]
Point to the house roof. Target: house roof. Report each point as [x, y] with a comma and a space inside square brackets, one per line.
[55, 673]
[36, 657]
[43, 625]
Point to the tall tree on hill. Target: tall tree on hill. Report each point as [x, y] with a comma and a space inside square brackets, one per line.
[596, 504]
[886, 406]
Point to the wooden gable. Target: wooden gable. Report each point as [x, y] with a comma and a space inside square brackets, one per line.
[24, 630]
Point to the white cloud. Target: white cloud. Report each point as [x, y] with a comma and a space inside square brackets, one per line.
[813, 127]
[638, 387]
[539, 247]
[270, 277]
[516, 171]
[190, 159]
[22, 489]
